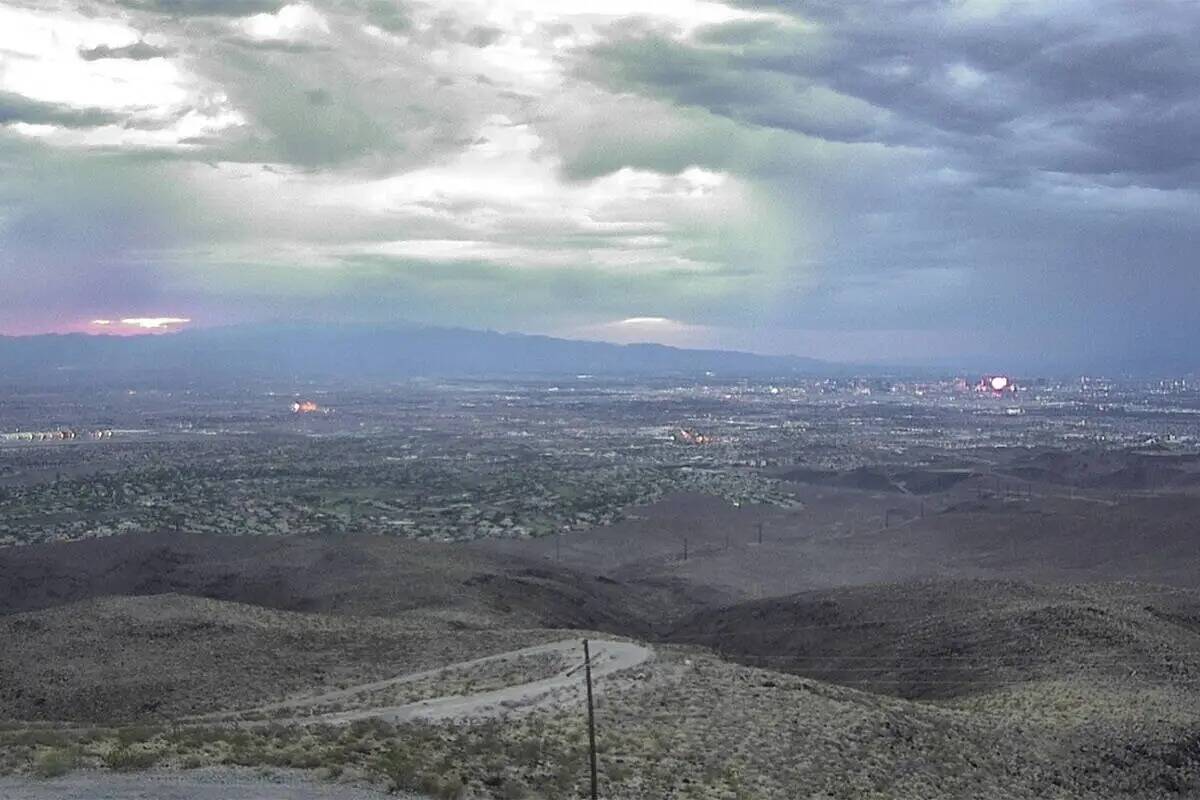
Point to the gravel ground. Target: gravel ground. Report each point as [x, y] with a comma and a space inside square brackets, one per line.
[201, 784]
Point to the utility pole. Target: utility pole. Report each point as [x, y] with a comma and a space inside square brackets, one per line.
[685, 548]
[587, 665]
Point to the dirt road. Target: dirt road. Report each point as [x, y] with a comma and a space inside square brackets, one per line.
[608, 656]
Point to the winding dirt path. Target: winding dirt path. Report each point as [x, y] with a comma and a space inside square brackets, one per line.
[608, 656]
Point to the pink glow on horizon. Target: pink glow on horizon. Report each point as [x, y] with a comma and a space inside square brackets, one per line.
[123, 326]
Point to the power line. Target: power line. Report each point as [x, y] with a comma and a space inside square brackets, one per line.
[587, 661]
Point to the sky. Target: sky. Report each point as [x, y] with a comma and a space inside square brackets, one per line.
[1007, 182]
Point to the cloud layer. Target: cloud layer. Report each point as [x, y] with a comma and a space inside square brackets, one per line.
[914, 180]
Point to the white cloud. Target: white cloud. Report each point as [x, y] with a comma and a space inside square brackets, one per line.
[158, 102]
[505, 189]
[292, 23]
[964, 76]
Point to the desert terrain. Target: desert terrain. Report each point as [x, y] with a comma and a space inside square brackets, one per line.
[1016, 622]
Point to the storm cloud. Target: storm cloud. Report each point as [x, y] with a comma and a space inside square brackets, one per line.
[936, 181]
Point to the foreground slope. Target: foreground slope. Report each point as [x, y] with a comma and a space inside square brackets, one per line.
[121, 659]
[925, 689]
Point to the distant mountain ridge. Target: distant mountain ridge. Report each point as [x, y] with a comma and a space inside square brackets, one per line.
[368, 352]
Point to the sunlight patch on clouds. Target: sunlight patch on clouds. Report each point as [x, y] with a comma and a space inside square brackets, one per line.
[130, 325]
[506, 201]
[654, 329]
[160, 105]
[526, 15]
[43, 62]
[154, 323]
[505, 167]
[534, 37]
[292, 23]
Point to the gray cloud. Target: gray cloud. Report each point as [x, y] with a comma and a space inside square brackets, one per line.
[277, 45]
[1100, 90]
[200, 8]
[18, 108]
[138, 51]
[389, 15]
[483, 35]
[1022, 179]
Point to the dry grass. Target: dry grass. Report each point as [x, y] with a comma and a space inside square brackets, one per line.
[689, 725]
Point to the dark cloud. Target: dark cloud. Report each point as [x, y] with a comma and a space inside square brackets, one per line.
[318, 97]
[1034, 168]
[1110, 89]
[715, 81]
[138, 51]
[389, 15]
[204, 8]
[18, 108]
[277, 45]
[483, 36]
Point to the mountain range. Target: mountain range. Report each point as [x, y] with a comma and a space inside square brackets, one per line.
[352, 352]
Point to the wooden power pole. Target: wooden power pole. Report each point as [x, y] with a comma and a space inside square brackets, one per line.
[587, 666]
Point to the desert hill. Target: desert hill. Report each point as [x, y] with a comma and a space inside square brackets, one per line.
[947, 639]
[351, 575]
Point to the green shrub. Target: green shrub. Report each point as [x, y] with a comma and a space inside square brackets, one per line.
[134, 734]
[53, 763]
[127, 759]
[44, 738]
[513, 789]
[399, 768]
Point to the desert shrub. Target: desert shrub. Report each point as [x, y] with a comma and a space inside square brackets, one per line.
[134, 734]
[299, 757]
[528, 750]
[451, 788]
[245, 751]
[398, 768]
[53, 763]
[42, 738]
[512, 789]
[454, 789]
[126, 759]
